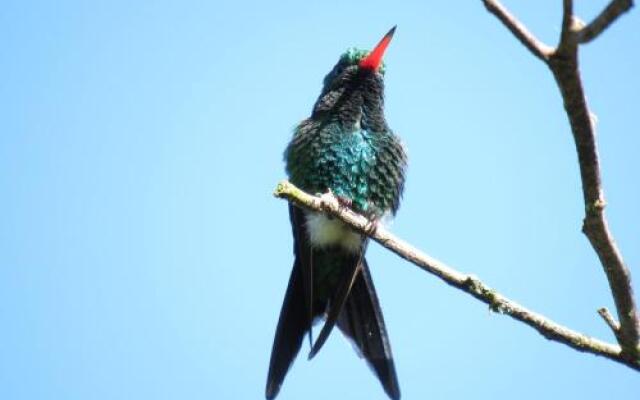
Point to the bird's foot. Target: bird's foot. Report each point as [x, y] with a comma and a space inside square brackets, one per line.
[343, 202]
[372, 225]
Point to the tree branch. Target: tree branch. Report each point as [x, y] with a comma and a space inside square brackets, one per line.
[539, 49]
[567, 21]
[602, 21]
[608, 318]
[563, 62]
[469, 284]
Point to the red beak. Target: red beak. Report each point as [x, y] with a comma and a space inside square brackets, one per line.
[374, 59]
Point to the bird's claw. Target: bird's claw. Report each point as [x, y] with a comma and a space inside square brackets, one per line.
[344, 202]
[371, 226]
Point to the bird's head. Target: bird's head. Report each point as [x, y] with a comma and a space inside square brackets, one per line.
[355, 85]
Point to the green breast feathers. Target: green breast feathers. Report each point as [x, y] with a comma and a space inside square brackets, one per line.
[364, 167]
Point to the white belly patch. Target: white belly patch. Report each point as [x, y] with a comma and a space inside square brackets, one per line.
[326, 232]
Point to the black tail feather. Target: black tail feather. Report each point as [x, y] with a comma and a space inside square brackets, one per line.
[292, 326]
[361, 320]
[350, 268]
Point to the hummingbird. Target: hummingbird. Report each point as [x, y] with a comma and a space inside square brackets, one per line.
[346, 148]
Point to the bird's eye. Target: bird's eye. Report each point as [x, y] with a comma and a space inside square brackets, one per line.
[335, 73]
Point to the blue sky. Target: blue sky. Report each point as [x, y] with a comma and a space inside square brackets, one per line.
[143, 256]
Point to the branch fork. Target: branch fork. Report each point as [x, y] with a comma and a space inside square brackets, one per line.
[563, 63]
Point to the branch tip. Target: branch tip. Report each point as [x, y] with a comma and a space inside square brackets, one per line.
[608, 318]
[281, 189]
[519, 30]
[600, 23]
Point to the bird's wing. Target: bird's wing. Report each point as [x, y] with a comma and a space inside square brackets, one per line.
[296, 313]
[361, 320]
[289, 334]
[304, 253]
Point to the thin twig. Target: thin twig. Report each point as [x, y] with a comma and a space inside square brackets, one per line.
[563, 62]
[608, 318]
[467, 283]
[538, 48]
[602, 21]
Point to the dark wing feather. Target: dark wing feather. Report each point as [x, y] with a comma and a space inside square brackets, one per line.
[292, 326]
[295, 315]
[304, 253]
[362, 321]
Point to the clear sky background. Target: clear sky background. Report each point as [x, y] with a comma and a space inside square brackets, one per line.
[142, 255]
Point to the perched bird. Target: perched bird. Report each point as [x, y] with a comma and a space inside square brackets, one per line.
[346, 148]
